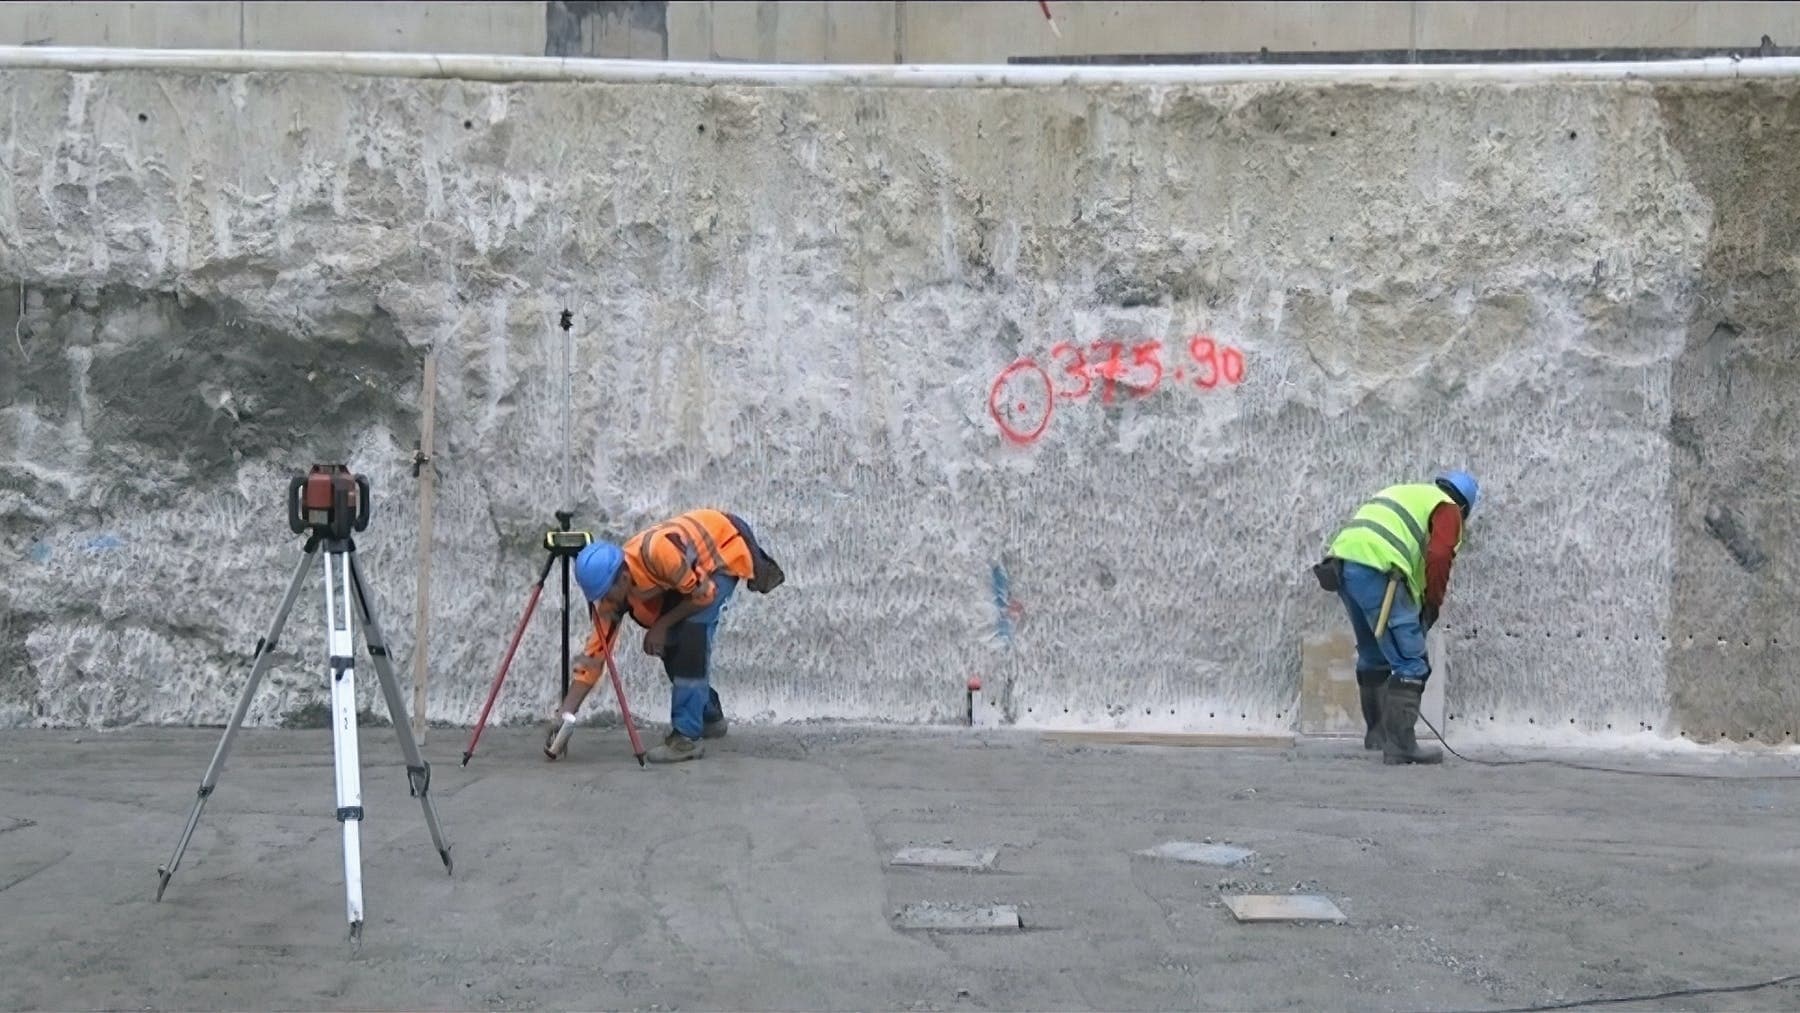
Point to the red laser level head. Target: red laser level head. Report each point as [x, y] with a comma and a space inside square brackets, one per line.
[329, 500]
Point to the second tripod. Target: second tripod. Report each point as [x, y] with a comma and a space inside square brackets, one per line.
[327, 505]
[564, 545]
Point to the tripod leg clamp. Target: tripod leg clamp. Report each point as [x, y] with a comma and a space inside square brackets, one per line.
[420, 777]
[349, 812]
[339, 665]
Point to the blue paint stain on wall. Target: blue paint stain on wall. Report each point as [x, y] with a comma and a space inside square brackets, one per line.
[40, 552]
[1002, 605]
[104, 543]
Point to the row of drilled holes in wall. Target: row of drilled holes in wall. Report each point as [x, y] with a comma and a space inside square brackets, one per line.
[467, 124]
[1688, 641]
[1642, 725]
[1646, 726]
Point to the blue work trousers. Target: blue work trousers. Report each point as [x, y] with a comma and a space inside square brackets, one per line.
[1402, 647]
[692, 701]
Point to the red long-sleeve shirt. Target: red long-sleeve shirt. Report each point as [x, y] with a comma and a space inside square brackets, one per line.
[1445, 529]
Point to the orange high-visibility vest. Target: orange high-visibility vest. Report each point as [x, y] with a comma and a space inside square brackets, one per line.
[677, 559]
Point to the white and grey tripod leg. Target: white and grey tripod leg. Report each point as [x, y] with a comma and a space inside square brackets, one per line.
[265, 650]
[418, 772]
[343, 726]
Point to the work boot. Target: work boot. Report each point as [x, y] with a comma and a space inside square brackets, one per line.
[1400, 710]
[715, 729]
[676, 748]
[1369, 684]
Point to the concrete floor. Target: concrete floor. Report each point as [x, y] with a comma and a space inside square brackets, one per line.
[758, 878]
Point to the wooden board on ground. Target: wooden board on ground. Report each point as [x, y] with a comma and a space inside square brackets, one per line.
[1171, 739]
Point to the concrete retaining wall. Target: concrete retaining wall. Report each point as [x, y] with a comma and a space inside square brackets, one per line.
[826, 307]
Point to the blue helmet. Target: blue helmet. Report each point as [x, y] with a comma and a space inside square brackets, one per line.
[597, 567]
[1463, 486]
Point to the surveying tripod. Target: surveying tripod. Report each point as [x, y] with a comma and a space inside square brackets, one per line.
[561, 544]
[327, 505]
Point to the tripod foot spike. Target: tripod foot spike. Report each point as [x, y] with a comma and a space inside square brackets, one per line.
[466, 758]
[449, 866]
[356, 932]
[163, 875]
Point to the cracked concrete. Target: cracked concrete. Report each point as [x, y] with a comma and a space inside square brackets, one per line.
[757, 878]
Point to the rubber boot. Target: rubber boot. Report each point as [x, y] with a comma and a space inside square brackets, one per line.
[1400, 711]
[1369, 684]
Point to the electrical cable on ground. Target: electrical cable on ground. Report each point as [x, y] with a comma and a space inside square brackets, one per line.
[1683, 775]
[1682, 993]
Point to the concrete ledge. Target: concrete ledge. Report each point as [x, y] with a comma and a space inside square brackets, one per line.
[1588, 54]
[546, 68]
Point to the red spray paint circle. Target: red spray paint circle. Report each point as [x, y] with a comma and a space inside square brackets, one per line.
[1015, 428]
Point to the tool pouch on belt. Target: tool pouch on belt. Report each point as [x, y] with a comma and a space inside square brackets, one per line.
[766, 575]
[1330, 574]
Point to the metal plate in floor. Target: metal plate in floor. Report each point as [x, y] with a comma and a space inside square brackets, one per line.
[933, 917]
[1204, 854]
[947, 858]
[1284, 908]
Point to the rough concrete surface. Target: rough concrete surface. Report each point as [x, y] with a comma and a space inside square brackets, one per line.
[802, 304]
[757, 878]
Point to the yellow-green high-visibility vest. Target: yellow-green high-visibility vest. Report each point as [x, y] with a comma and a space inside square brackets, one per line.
[1389, 532]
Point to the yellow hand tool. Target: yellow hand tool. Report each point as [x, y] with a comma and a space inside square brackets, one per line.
[1387, 604]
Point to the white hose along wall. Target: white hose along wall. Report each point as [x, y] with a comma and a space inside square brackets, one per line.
[834, 305]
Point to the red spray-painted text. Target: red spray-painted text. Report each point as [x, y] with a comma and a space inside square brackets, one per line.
[1024, 395]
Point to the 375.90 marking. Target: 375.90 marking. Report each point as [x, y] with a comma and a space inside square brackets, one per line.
[1024, 395]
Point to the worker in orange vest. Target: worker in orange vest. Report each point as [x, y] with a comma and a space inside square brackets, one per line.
[675, 579]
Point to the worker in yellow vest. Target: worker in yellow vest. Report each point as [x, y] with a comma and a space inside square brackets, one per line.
[1408, 535]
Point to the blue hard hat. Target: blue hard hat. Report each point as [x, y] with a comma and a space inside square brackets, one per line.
[596, 567]
[1462, 485]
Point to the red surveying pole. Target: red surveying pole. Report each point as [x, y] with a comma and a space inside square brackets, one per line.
[637, 748]
[500, 676]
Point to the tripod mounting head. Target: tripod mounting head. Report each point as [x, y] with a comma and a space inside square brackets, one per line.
[329, 500]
